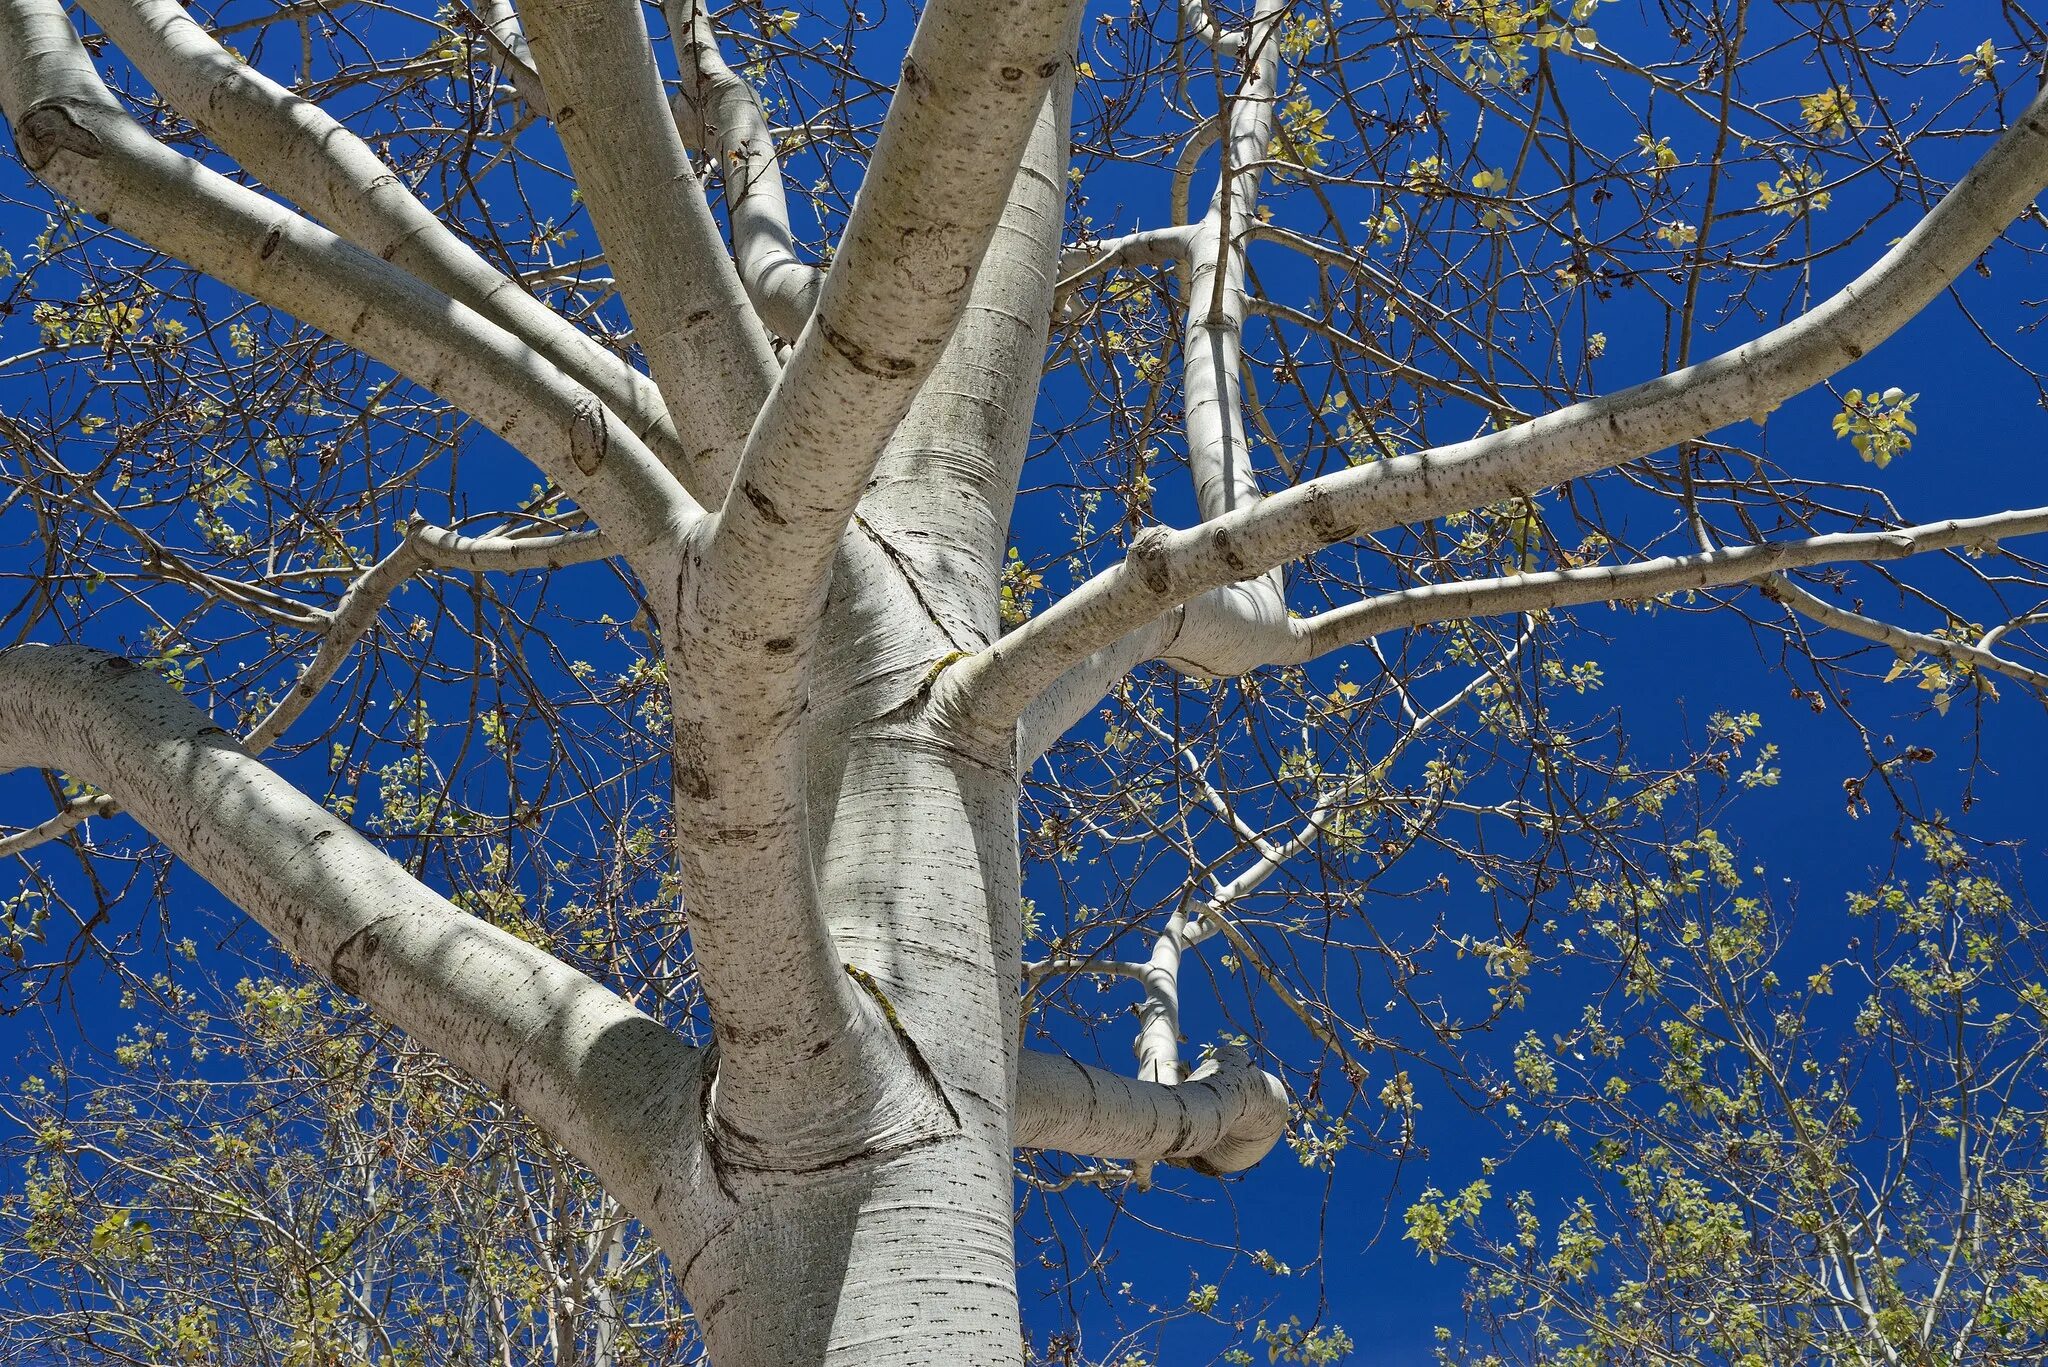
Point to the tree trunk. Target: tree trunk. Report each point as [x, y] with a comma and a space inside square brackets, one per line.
[902, 1253]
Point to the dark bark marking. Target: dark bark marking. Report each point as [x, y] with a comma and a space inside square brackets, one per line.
[764, 505]
[589, 436]
[858, 356]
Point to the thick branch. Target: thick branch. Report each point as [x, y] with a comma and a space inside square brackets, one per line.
[973, 84]
[690, 312]
[76, 137]
[1068, 698]
[1168, 567]
[1224, 1118]
[613, 1086]
[942, 493]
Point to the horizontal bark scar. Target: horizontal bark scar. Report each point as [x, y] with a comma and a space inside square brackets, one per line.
[858, 356]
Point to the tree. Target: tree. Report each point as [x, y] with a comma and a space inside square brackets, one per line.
[816, 714]
[337, 1198]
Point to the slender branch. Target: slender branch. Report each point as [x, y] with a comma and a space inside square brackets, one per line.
[1907, 643]
[507, 38]
[424, 546]
[720, 114]
[1068, 698]
[75, 813]
[1146, 247]
[1645, 579]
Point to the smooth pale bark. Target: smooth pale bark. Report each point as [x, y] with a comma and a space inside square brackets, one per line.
[754, 589]
[940, 497]
[1165, 568]
[973, 84]
[709, 356]
[833, 1180]
[1225, 1117]
[720, 114]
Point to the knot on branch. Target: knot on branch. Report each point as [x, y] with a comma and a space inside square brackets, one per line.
[50, 128]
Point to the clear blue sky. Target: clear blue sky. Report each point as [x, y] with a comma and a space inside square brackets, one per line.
[1980, 448]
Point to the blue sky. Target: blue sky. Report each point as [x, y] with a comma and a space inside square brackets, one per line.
[1979, 449]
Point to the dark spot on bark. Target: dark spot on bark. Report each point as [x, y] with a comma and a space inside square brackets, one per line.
[589, 436]
[913, 77]
[1855, 352]
[699, 316]
[1048, 69]
[271, 241]
[781, 645]
[48, 129]
[764, 505]
[565, 113]
[881, 367]
[1013, 73]
[117, 664]
[1226, 547]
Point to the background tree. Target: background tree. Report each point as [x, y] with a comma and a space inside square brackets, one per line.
[591, 464]
[1750, 1211]
[268, 1177]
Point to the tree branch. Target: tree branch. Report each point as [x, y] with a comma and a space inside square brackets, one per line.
[690, 312]
[1225, 1117]
[720, 113]
[973, 84]
[424, 547]
[1642, 580]
[76, 137]
[1167, 567]
[610, 1084]
[298, 150]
